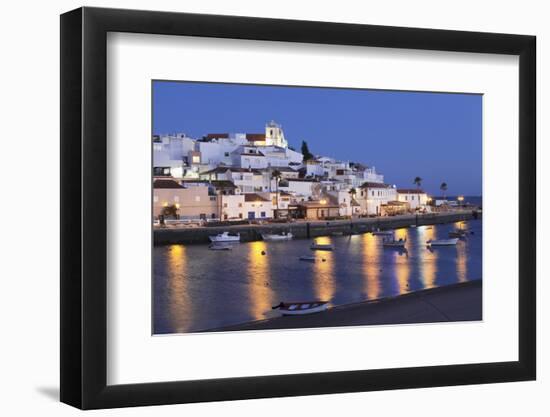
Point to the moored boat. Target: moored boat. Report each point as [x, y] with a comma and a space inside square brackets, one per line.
[307, 258]
[379, 232]
[220, 246]
[321, 246]
[277, 237]
[457, 233]
[442, 242]
[394, 243]
[301, 308]
[225, 237]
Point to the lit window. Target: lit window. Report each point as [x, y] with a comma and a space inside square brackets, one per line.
[196, 159]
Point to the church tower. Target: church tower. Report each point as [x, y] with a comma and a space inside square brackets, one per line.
[274, 135]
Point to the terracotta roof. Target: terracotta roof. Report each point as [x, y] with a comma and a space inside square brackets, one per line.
[215, 183]
[375, 185]
[253, 137]
[316, 204]
[410, 191]
[166, 184]
[218, 170]
[395, 203]
[254, 197]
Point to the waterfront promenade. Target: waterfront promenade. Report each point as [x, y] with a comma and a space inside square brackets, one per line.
[457, 302]
[303, 229]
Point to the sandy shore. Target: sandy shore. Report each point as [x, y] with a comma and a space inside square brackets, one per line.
[458, 302]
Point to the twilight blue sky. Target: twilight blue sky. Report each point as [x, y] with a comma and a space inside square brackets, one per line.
[403, 134]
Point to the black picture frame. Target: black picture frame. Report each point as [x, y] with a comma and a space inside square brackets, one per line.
[84, 207]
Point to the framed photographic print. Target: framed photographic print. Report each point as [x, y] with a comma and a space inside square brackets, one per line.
[257, 208]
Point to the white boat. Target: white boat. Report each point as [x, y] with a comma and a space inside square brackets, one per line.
[442, 242]
[307, 258]
[301, 308]
[321, 246]
[393, 243]
[225, 237]
[379, 232]
[220, 246]
[277, 237]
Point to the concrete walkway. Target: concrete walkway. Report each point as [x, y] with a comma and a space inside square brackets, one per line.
[458, 302]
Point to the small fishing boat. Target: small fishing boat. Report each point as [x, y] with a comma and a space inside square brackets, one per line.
[277, 237]
[301, 308]
[442, 242]
[321, 246]
[379, 232]
[457, 233]
[220, 246]
[307, 258]
[225, 237]
[394, 243]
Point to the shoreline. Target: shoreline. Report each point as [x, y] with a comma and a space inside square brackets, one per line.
[307, 229]
[450, 303]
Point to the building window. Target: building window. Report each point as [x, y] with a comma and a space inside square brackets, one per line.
[373, 193]
[196, 159]
[225, 205]
[156, 198]
[197, 198]
[226, 154]
[262, 214]
[213, 215]
[240, 215]
[240, 204]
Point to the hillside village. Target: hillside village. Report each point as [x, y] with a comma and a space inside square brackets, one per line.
[257, 176]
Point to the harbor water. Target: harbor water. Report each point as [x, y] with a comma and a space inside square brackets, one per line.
[198, 289]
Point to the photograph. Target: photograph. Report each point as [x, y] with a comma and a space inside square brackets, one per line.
[287, 207]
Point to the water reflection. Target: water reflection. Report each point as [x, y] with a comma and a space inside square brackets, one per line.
[260, 293]
[323, 280]
[428, 263]
[461, 262]
[371, 266]
[181, 312]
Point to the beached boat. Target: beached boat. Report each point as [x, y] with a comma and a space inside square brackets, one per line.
[442, 242]
[225, 237]
[277, 237]
[379, 232]
[307, 258]
[321, 246]
[220, 246]
[394, 243]
[301, 308]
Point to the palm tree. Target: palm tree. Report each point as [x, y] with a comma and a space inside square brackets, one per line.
[418, 182]
[443, 188]
[276, 175]
[352, 192]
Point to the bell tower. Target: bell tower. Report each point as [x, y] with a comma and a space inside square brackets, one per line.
[274, 135]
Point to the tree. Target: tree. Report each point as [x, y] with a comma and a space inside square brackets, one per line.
[170, 211]
[418, 182]
[276, 175]
[352, 192]
[305, 151]
[443, 188]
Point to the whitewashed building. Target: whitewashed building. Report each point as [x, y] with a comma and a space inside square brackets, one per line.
[413, 197]
[372, 195]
